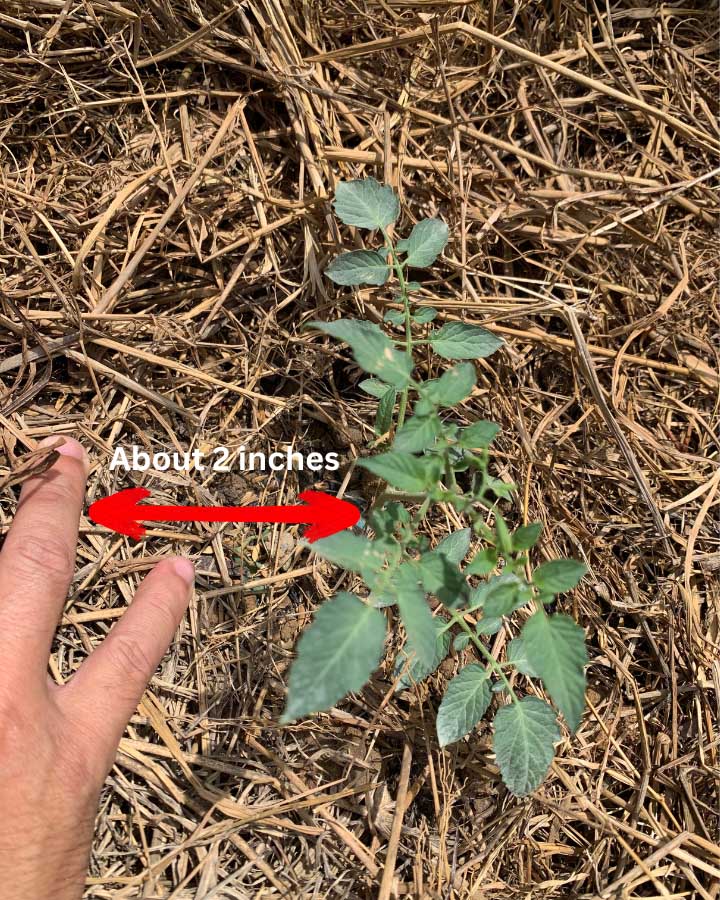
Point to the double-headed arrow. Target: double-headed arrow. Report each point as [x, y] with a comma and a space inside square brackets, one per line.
[324, 513]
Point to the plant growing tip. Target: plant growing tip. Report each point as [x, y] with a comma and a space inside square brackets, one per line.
[433, 457]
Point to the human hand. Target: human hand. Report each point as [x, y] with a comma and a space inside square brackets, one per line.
[58, 742]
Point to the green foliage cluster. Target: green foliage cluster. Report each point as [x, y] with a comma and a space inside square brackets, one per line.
[428, 450]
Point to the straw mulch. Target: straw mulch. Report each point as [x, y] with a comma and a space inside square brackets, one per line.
[166, 175]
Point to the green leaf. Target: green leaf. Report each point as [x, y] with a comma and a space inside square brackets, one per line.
[455, 546]
[382, 592]
[358, 267]
[525, 537]
[403, 471]
[426, 242]
[350, 551]
[460, 641]
[372, 348]
[516, 656]
[524, 594]
[385, 410]
[458, 459]
[504, 541]
[456, 340]
[415, 613]
[366, 204]
[417, 671]
[555, 648]
[335, 655]
[483, 562]
[499, 487]
[478, 595]
[385, 520]
[501, 594]
[558, 575]
[443, 578]
[394, 317]
[423, 407]
[425, 314]
[489, 625]
[417, 434]
[478, 435]
[525, 734]
[452, 386]
[464, 704]
[374, 387]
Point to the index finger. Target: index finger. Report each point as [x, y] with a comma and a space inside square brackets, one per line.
[38, 558]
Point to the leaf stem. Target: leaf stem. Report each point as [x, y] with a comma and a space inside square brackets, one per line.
[397, 265]
[494, 664]
[449, 471]
[420, 514]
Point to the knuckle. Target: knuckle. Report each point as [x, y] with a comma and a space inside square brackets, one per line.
[57, 493]
[129, 658]
[48, 495]
[46, 552]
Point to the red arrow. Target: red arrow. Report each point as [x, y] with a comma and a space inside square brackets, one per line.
[324, 513]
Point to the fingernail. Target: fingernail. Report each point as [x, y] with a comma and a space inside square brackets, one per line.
[69, 447]
[185, 569]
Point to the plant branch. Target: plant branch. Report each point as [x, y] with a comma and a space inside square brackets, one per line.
[397, 266]
[494, 664]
